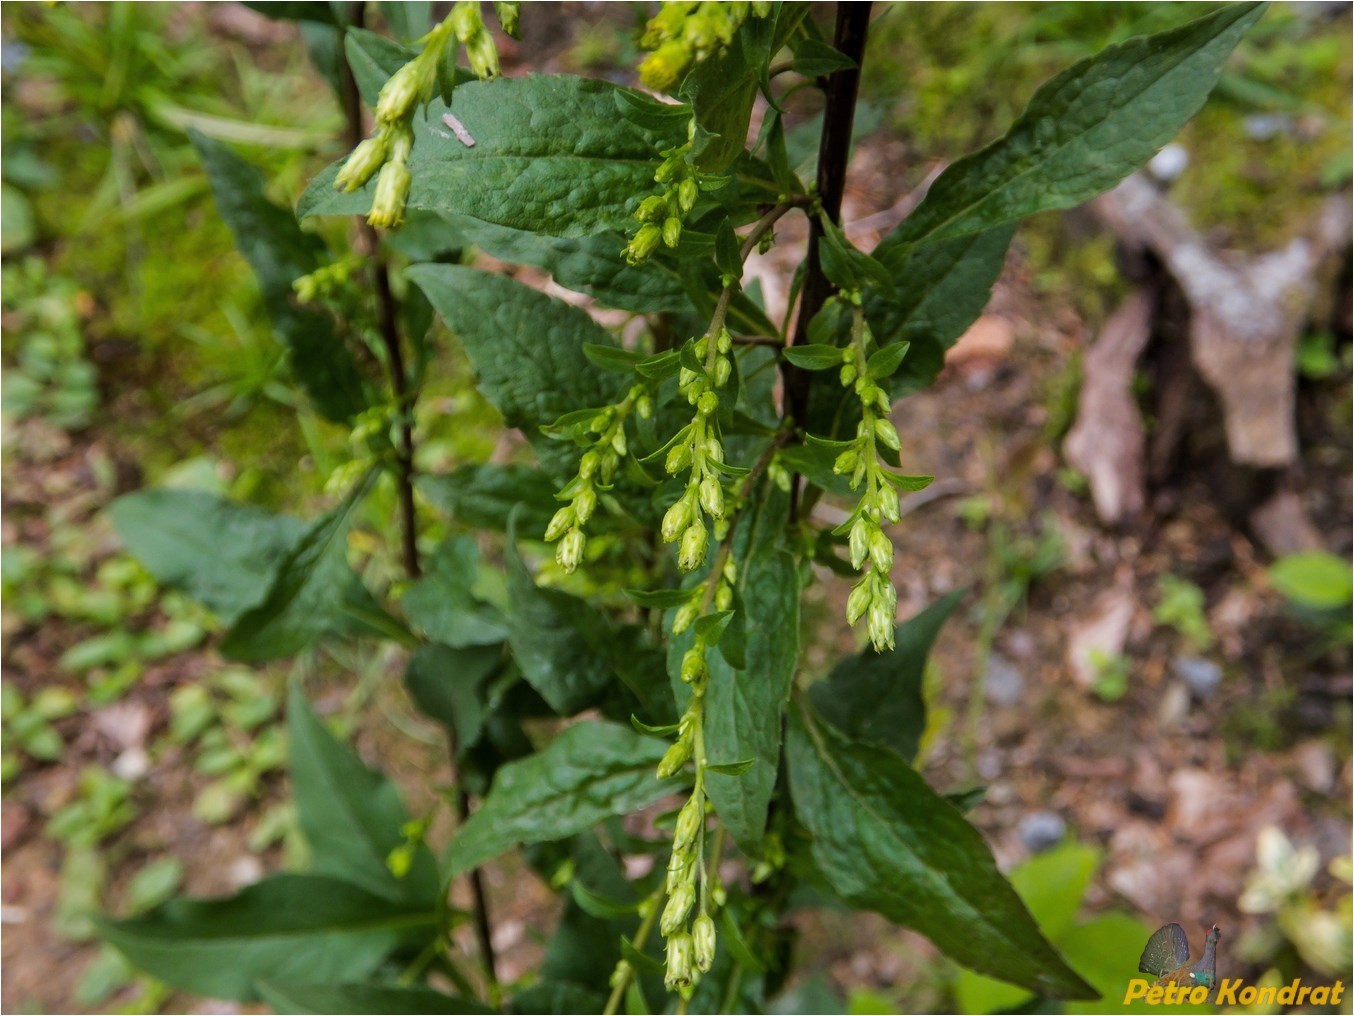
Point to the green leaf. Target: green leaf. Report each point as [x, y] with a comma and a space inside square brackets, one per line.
[483, 496]
[287, 928]
[885, 362]
[731, 768]
[885, 841]
[447, 685]
[350, 815]
[592, 771]
[1086, 129]
[592, 264]
[1051, 885]
[279, 252]
[816, 356]
[728, 252]
[373, 59]
[527, 348]
[1093, 948]
[356, 999]
[877, 697]
[1314, 579]
[814, 58]
[563, 644]
[220, 553]
[314, 593]
[551, 155]
[613, 357]
[442, 603]
[661, 598]
[846, 266]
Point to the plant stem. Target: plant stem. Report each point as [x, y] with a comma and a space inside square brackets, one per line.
[404, 398]
[834, 149]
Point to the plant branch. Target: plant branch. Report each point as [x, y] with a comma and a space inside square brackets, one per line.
[834, 149]
[404, 398]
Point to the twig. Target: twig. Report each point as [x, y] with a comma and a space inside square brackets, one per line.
[388, 322]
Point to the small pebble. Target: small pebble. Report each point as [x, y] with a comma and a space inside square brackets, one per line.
[1167, 165]
[1004, 686]
[1041, 830]
[1201, 676]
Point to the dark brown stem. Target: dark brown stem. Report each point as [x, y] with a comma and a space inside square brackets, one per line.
[834, 149]
[369, 244]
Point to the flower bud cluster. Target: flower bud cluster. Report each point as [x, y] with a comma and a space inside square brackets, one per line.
[691, 942]
[603, 437]
[387, 151]
[684, 34]
[661, 215]
[699, 451]
[873, 597]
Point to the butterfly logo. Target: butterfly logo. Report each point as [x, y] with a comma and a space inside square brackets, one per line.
[1167, 958]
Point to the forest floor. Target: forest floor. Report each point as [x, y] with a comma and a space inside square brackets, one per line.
[1214, 714]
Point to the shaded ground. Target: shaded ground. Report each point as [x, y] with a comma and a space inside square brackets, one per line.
[1174, 784]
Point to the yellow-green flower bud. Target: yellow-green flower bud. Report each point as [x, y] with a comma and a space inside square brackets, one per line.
[509, 16]
[886, 500]
[846, 462]
[401, 93]
[483, 55]
[713, 449]
[679, 962]
[686, 376]
[678, 457]
[723, 368]
[668, 168]
[693, 664]
[674, 758]
[644, 407]
[672, 231]
[723, 597]
[365, 160]
[585, 501]
[645, 243]
[886, 433]
[687, 192]
[652, 208]
[679, 905]
[707, 403]
[725, 341]
[703, 942]
[712, 496]
[587, 465]
[392, 192]
[676, 519]
[685, 617]
[881, 627]
[620, 975]
[859, 541]
[689, 822]
[681, 868]
[663, 68]
[569, 551]
[618, 443]
[881, 551]
[692, 551]
[560, 524]
[858, 602]
[848, 374]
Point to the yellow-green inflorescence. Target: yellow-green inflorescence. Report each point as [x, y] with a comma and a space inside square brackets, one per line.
[684, 34]
[699, 451]
[692, 891]
[873, 597]
[603, 435]
[387, 150]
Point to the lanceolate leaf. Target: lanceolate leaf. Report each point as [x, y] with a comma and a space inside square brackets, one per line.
[885, 841]
[1086, 129]
[447, 685]
[313, 593]
[527, 347]
[287, 928]
[442, 602]
[220, 553]
[351, 816]
[552, 155]
[876, 697]
[280, 253]
[357, 999]
[590, 772]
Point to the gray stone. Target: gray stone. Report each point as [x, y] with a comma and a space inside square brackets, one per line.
[1201, 676]
[1041, 830]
